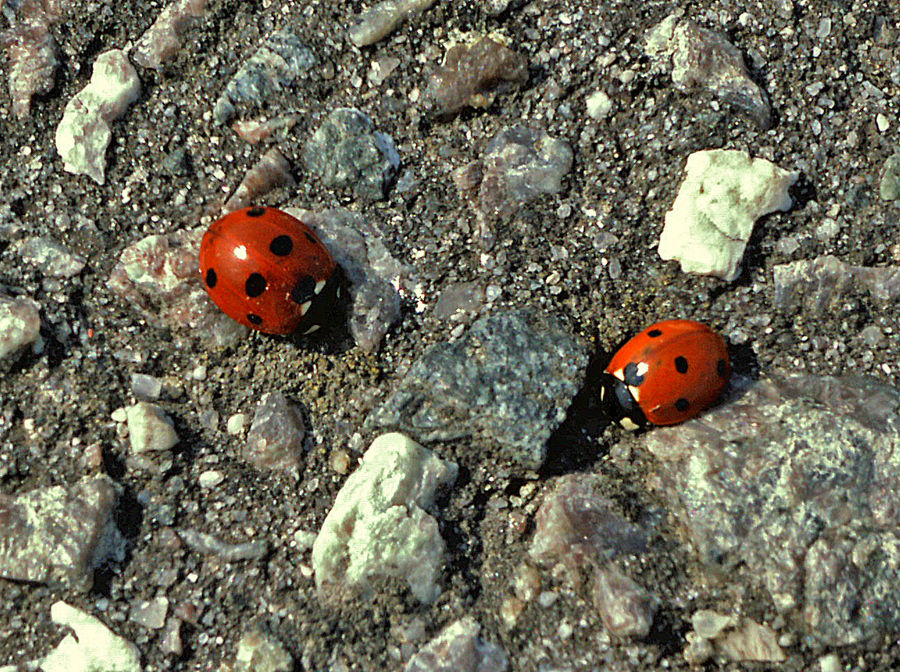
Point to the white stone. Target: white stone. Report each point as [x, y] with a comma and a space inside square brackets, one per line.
[830, 663]
[599, 105]
[459, 648]
[93, 647]
[20, 325]
[236, 423]
[723, 193]
[210, 478]
[149, 428]
[882, 122]
[378, 526]
[83, 134]
[710, 624]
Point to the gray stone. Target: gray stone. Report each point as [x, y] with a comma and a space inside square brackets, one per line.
[819, 285]
[31, 50]
[151, 613]
[347, 152]
[577, 525]
[382, 19]
[704, 59]
[373, 274]
[792, 484]
[209, 544]
[277, 434]
[519, 165]
[274, 66]
[150, 429]
[378, 527]
[509, 380]
[625, 607]
[889, 189]
[53, 259]
[473, 74]
[59, 535]
[459, 649]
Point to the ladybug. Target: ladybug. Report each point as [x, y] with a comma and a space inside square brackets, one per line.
[268, 270]
[666, 374]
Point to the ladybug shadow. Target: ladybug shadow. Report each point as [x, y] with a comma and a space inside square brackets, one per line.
[332, 316]
[577, 443]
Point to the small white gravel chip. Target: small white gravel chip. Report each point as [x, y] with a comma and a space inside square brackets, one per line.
[199, 373]
[210, 478]
[882, 122]
[149, 428]
[236, 424]
[599, 105]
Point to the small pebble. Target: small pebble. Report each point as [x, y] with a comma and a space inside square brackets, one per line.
[236, 424]
[210, 478]
[882, 122]
[548, 598]
[199, 373]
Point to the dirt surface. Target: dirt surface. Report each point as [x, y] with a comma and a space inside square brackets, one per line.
[626, 173]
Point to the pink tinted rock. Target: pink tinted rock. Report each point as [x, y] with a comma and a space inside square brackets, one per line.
[472, 76]
[270, 172]
[625, 607]
[577, 525]
[31, 50]
[159, 275]
[162, 41]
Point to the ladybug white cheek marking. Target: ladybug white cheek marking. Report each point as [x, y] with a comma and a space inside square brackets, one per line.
[635, 393]
[642, 368]
[319, 286]
[241, 252]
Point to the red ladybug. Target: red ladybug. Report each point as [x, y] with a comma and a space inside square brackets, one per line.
[267, 270]
[666, 374]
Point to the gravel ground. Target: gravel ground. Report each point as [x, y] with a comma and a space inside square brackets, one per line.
[831, 72]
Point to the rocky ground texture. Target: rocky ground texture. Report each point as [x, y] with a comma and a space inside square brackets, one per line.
[511, 189]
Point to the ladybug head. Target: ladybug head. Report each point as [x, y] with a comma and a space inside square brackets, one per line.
[619, 404]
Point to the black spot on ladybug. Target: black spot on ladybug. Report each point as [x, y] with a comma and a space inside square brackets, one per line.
[256, 212]
[304, 290]
[654, 333]
[632, 379]
[281, 246]
[254, 319]
[681, 364]
[682, 404]
[311, 238]
[255, 285]
[722, 368]
[211, 278]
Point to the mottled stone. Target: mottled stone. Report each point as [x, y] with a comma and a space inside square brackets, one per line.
[819, 285]
[270, 172]
[276, 65]
[519, 165]
[703, 59]
[161, 42]
[158, 275]
[578, 525]
[509, 380]
[347, 152]
[20, 327]
[261, 652]
[459, 300]
[459, 649]
[625, 607]
[31, 50]
[59, 535]
[378, 526]
[889, 187]
[723, 193]
[731, 639]
[92, 647]
[277, 434]
[374, 276]
[50, 257]
[84, 132]
[791, 484]
[381, 19]
[150, 429]
[473, 74]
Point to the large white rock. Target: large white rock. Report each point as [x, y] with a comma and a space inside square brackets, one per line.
[83, 134]
[378, 527]
[723, 193]
[93, 647]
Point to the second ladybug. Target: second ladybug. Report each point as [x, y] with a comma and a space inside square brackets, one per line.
[666, 374]
[268, 271]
